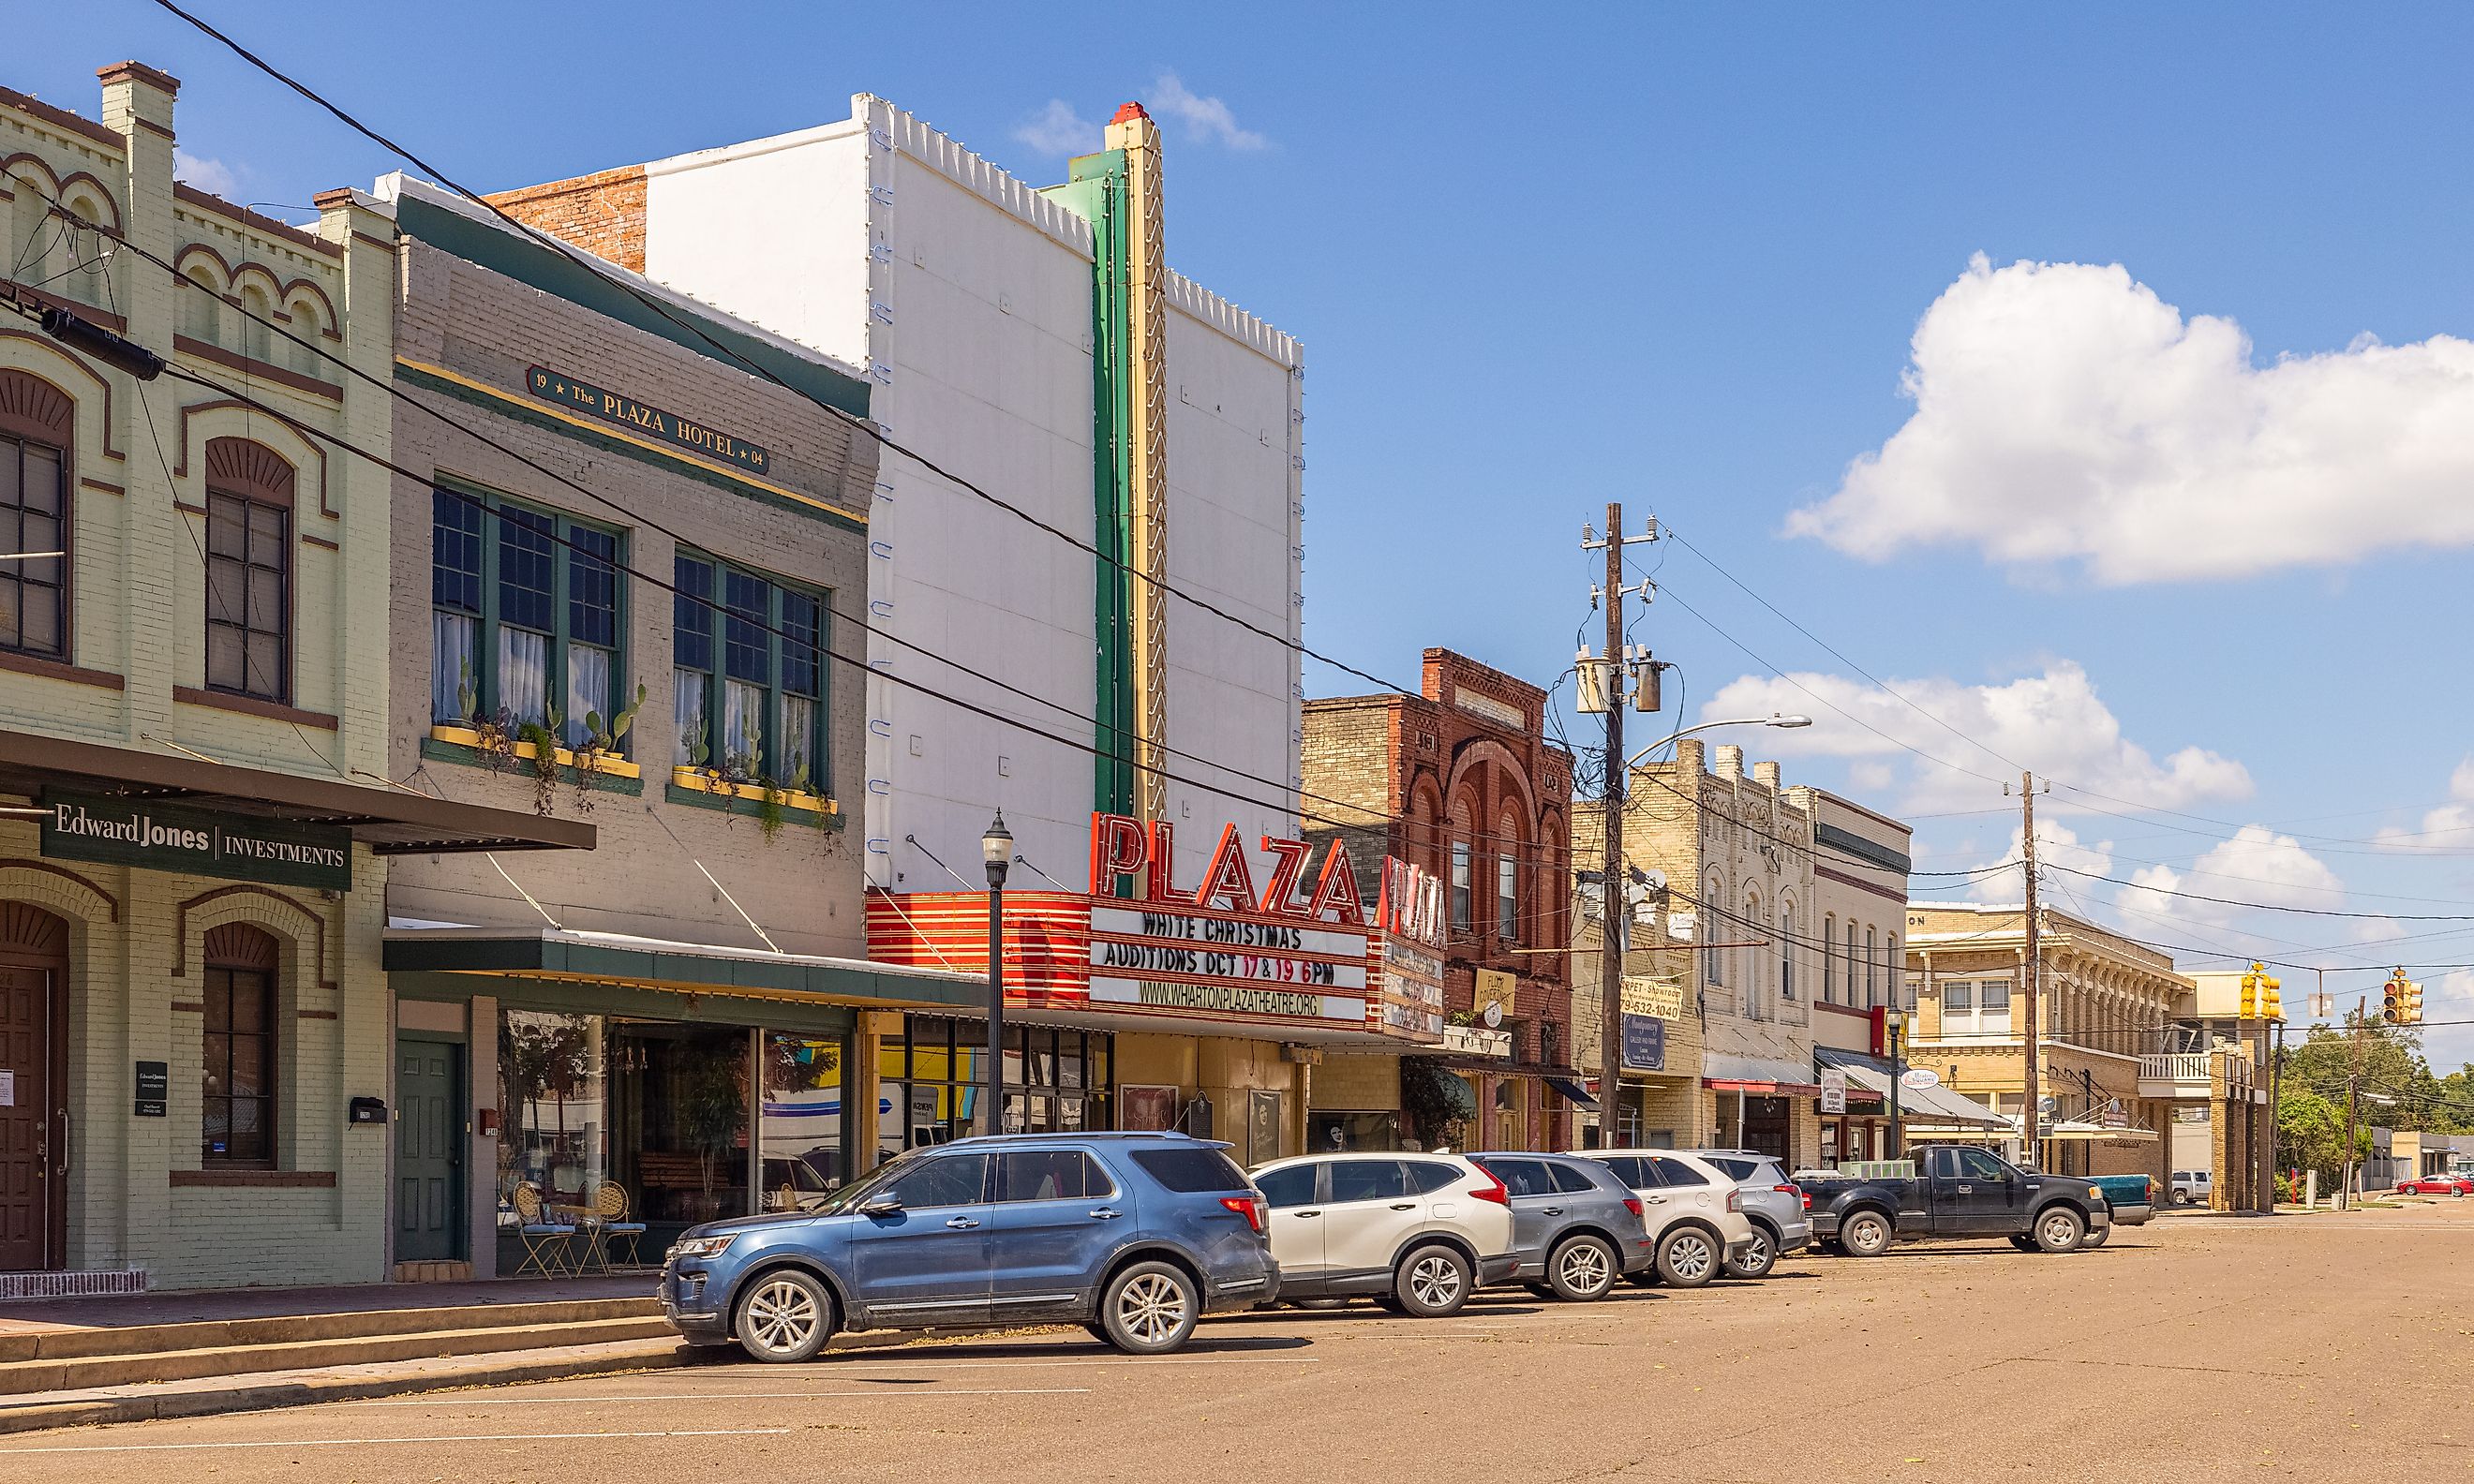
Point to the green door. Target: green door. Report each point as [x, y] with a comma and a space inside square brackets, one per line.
[428, 1151]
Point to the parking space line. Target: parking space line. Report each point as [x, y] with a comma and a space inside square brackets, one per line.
[1125, 1363]
[727, 1396]
[472, 1437]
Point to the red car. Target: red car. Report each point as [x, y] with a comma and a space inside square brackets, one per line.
[2437, 1184]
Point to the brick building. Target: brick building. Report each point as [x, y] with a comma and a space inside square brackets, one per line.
[1463, 781]
[194, 1025]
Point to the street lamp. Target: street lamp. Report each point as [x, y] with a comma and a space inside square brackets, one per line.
[1896, 1020]
[996, 847]
[1771, 720]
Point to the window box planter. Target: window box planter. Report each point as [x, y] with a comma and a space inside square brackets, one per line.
[463, 744]
[692, 785]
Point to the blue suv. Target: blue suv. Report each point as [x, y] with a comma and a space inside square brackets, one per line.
[1132, 1235]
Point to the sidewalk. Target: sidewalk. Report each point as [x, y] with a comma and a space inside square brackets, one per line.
[214, 1305]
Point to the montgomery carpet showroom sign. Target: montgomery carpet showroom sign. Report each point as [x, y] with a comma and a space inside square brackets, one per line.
[158, 836]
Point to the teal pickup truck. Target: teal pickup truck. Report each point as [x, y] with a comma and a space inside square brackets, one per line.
[2132, 1200]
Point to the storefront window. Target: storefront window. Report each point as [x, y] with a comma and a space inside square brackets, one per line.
[551, 1082]
[802, 1131]
[1056, 1082]
[1332, 1133]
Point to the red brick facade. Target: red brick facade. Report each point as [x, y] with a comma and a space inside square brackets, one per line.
[1465, 772]
[603, 214]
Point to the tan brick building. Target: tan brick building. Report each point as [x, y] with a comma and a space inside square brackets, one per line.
[194, 1026]
[2105, 1000]
[1463, 781]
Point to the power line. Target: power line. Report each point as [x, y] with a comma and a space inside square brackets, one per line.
[2262, 906]
[600, 269]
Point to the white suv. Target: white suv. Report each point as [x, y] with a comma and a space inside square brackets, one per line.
[2193, 1187]
[1693, 1211]
[1416, 1232]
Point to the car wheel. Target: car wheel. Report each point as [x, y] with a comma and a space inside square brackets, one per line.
[1759, 1260]
[1582, 1269]
[2059, 1229]
[786, 1315]
[1690, 1258]
[1432, 1281]
[2095, 1239]
[1150, 1308]
[1865, 1235]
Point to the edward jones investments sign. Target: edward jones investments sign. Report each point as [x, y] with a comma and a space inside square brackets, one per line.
[157, 836]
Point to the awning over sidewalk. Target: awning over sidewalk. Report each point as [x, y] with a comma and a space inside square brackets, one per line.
[2070, 1130]
[1934, 1107]
[1574, 1093]
[691, 967]
[1761, 1076]
[389, 820]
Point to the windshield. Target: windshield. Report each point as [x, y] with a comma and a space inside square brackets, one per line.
[849, 1196]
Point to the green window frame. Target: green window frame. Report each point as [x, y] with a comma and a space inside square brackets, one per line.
[528, 607]
[748, 682]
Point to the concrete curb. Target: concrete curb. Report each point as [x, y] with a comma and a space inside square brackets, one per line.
[268, 1396]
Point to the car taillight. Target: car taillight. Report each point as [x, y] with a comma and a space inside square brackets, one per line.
[1796, 1191]
[1245, 1206]
[1735, 1200]
[1492, 1189]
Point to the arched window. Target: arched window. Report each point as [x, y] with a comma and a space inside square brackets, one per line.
[202, 308]
[1506, 879]
[1786, 950]
[1829, 958]
[237, 1106]
[1714, 961]
[36, 422]
[256, 309]
[249, 570]
[1872, 971]
[1464, 826]
[1754, 970]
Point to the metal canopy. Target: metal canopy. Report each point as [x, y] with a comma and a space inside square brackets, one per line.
[389, 820]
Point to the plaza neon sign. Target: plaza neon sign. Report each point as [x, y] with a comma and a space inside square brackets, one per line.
[1123, 850]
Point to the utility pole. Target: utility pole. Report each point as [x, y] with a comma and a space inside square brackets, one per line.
[2030, 976]
[2353, 1088]
[1611, 803]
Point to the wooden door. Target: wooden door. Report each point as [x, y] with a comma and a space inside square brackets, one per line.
[34, 1092]
[430, 1151]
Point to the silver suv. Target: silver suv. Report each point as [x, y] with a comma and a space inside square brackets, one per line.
[1779, 1209]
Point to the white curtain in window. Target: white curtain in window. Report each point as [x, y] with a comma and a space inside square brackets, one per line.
[687, 703]
[799, 741]
[451, 666]
[588, 690]
[743, 726]
[523, 673]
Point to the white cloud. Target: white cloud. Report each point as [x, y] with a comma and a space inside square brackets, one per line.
[2449, 999]
[2445, 827]
[2256, 866]
[210, 176]
[2052, 722]
[1204, 118]
[2063, 414]
[2056, 845]
[1058, 130]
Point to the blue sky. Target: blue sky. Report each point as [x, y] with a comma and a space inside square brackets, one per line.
[1676, 256]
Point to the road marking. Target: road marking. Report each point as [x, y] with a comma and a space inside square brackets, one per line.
[726, 1396]
[474, 1437]
[1125, 1364]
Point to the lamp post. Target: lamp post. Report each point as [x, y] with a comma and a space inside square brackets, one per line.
[1772, 720]
[996, 847]
[1896, 1020]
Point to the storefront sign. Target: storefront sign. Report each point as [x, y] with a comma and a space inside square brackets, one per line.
[1495, 988]
[1645, 995]
[1681, 926]
[154, 1090]
[1470, 1041]
[1644, 1043]
[1834, 1090]
[1411, 991]
[1922, 1077]
[202, 842]
[667, 427]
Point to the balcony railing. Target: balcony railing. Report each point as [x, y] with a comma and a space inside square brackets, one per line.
[2175, 1066]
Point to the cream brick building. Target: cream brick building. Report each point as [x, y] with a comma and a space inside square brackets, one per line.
[192, 720]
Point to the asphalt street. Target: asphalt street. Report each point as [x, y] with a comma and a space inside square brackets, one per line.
[2195, 1348]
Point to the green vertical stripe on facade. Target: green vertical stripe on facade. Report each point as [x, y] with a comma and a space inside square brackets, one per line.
[1096, 192]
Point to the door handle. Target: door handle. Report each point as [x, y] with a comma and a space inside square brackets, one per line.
[1105, 1213]
[1404, 1206]
[960, 1223]
[1653, 1199]
[1552, 1210]
[1305, 1213]
[1967, 1189]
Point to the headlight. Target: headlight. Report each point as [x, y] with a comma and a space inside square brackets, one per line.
[702, 1245]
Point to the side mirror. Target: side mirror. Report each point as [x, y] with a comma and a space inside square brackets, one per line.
[881, 1206]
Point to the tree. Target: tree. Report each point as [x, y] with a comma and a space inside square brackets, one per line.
[2310, 1134]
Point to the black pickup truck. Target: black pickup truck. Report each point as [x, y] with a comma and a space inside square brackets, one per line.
[1958, 1191]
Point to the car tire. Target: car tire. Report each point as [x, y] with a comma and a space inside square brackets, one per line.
[783, 1317]
[2095, 1238]
[2059, 1229]
[1757, 1262]
[1582, 1269]
[1867, 1234]
[1150, 1308]
[1690, 1256]
[1431, 1282]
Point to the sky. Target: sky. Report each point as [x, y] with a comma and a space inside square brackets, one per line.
[2081, 389]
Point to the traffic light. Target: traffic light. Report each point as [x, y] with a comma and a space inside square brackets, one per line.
[2272, 1002]
[2412, 1003]
[2250, 994]
[2392, 998]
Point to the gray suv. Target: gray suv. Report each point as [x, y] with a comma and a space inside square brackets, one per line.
[1776, 1207]
[1575, 1227]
